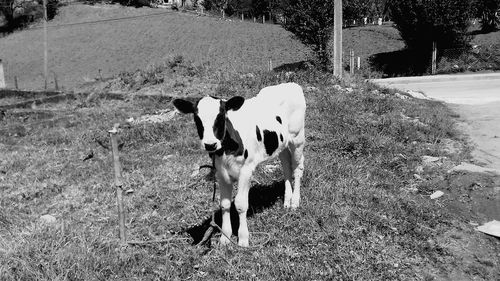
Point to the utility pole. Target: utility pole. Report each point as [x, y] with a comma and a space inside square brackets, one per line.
[337, 39]
[45, 59]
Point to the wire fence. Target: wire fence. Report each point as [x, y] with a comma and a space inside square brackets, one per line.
[477, 58]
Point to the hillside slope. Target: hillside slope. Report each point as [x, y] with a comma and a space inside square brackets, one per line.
[146, 36]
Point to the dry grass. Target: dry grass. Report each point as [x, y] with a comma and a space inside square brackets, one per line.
[364, 216]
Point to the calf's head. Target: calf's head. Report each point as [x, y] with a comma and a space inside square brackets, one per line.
[210, 118]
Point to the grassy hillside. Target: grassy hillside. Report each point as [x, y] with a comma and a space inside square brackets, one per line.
[365, 213]
[77, 52]
[126, 39]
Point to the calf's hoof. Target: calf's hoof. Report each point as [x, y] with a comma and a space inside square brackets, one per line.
[224, 240]
[243, 242]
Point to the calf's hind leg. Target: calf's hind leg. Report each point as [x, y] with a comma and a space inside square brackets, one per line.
[297, 152]
[286, 163]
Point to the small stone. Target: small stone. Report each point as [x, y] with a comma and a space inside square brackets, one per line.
[403, 97]
[419, 169]
[429, 159]
[437, 194]
[47, 219]
[195, 173]
[168, 157]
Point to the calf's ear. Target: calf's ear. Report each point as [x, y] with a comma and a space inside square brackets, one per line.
[235, 103]
[184, 106]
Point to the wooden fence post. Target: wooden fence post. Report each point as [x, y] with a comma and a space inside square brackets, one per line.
[118, 182]
[16, 83]
[242, 17]
[351, 61]
[434, 57]
[337, 39]
[55, 81]
[270, 65]
[2, 76]
[45, 52]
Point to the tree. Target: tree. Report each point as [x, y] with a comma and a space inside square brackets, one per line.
[421, 22]
[488, 11]
[19, 13]
[311, 22]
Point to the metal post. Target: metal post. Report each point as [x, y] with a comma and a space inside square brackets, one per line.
[2, 76]
[337, 39]
[118, 182]
[270, 65]
[359, 62]
[45, 52]
[242, 17]
[263, 19]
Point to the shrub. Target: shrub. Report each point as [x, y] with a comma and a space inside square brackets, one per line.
[488, 11]
[20, 14]
[311, 22]
[421, 22]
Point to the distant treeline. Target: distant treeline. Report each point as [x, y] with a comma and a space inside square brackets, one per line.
[353, 10]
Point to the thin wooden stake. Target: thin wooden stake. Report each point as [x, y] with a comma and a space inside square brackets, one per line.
[118, 182]
[55, 82]
[15, 83]
[2, 76]
[351, 61]
[434, 57]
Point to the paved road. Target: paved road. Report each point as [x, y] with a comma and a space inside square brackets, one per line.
[476, 97]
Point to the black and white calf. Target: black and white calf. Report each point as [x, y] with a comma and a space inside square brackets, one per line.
[243, 133]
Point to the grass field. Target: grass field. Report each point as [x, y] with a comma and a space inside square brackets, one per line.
[77, 52]
[364, 215]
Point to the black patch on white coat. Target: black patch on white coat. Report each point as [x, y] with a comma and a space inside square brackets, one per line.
[231, 145]
[199, 125]
[281, 137]
[270, 141]
[220, 122]
[257, 130]
[278, 119]
[246, 154]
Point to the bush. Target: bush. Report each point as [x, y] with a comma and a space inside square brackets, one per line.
[20, 14]
[488, 11]
[311, 21]
[421, 22]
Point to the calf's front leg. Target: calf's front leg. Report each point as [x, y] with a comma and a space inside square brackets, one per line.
[241, 204]
[226, 189]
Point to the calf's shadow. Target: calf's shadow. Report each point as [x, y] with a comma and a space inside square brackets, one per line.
[260, 197]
